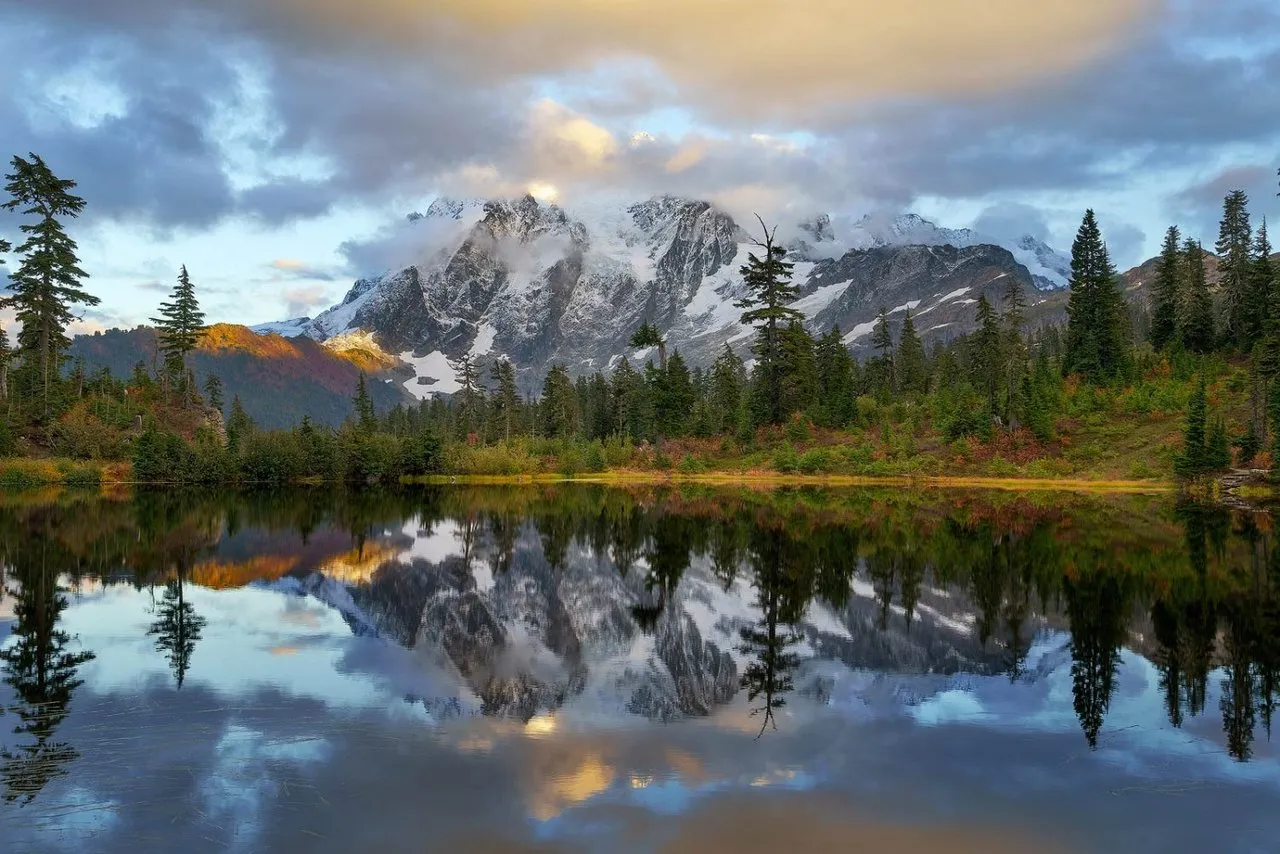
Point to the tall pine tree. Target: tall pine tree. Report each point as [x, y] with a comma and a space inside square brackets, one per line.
[1197, 316]
[766, 307]
[912, 371]
[882, 343]
[46, 286]
[1234, 247]
[366, 419]
[1165, 291]
[505, 406]
[180, 325]
[1097, 319]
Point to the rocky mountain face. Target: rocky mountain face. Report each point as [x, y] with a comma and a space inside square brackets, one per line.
[535, 284]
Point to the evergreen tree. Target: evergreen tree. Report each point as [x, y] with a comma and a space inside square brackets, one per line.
[1234, 247]
[1014, 349]
[1097, 345]
[799, 387]
[239, 425]
[469, 398]
[5, 357]
[46, 286]
[1217, 448]
[882, 343]
[180, 325]
[912, 375]
[559, 404]
[366, 418]
[728, 383]
[506, 399]
[1265, 284]
[649, 335]
[213, 390]
[1165, 291]
[985, 355]
[630, 403]
[1192, 461]
[835, 379]
[674, 397]
[766, 307]
[1197, 317]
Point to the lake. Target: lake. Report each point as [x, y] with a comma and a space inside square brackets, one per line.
[590, 669]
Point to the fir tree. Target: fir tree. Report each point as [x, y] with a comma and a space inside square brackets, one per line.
[649, 335]
[835, 378]
[239, 425]
[1014, 350]
[882, 343]
[362, 403]
[506, 398]
[1192, 461]
[46, 286]
[985, 354]
[629, 401]
[1097, 319]
[912, 375]
[1217, 448]
[1234, 246]
[766, 307]
[799, 385]
[1197, 317]
[674, 397]
[213, 390]
[180, 325]
[728, 383]
[5, 357]
[469, 398]
[1165, 291]
[559, 404]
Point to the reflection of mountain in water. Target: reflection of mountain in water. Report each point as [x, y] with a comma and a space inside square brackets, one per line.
[528, 638]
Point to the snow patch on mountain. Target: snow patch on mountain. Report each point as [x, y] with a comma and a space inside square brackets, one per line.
[295, 328]
[432, 375]
[485, 336]
[819, 299]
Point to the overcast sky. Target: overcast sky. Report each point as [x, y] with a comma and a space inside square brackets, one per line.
[252, 139]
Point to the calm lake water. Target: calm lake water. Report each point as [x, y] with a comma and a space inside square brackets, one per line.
[580, 669]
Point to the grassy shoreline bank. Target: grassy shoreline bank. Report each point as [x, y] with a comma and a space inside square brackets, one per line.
[26, 473]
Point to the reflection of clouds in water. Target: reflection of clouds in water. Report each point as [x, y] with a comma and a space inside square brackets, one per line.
[244, 780]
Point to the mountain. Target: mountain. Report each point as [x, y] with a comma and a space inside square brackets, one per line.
[278, 379]
[528, 281]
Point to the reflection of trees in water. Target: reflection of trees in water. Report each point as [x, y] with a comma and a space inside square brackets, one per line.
[41, 670]
[177, 627]
[781, 602]
[1097, 608]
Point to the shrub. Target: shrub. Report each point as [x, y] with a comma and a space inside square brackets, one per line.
[798, 428]
[786, 460]
[690, 464]
[814, 461]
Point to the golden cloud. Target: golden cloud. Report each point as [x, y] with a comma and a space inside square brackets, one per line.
[751, 56]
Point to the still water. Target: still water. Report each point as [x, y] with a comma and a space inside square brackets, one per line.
[584, 669]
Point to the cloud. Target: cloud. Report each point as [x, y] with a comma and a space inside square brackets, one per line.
[304, 300]
[295, 269]
[1011, 220]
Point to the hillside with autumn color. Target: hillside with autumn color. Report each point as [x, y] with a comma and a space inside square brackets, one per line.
[278, 380]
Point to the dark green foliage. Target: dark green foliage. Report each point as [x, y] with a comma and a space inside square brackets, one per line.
[726, 391]
[673, 396]
[213, 392]
[1197, 322]
[469, 398]
[766, 307]
[1098, 319]
[1249, 445]
[799, 375]
[180, 326]
[46, 287]
[1165, 291]
[649, 335]
[559, 404]
[1192, 461]
[1217, 449]
[366, 419]
[912, 371]
[1243, 315]
[836, 393]
[504, 411]
[985, 355]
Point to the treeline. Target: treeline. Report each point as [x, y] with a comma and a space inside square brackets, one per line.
[1002, 377]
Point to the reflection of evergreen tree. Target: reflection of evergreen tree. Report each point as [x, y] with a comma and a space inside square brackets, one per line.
[42, 673]
[503, 528]
[781, 605]
[1096, 607]
[177, 627]
[1168, 661]
[1239, 713]
[882, 569]
[668, 558]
